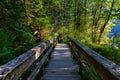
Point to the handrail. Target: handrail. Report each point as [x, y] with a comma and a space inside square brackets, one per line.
[16, 67]
[106, 69]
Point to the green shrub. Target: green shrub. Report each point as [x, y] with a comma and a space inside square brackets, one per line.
[6, 38]
[107, 51]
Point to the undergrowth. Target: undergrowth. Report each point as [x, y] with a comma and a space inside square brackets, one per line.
[109, 52]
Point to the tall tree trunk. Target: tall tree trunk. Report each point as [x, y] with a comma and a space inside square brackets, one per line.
[95, 26]
[54, 26]
[104, 25]
[77, 19]
[94, 12]
[26, 13]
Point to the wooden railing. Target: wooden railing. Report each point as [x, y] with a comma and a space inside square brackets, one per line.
[92, 62]
[16, 67]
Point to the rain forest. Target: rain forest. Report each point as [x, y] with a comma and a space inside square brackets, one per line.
[26, 23]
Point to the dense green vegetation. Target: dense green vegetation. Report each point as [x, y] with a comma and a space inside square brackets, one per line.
[24, 23]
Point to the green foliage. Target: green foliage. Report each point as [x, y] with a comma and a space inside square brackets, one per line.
[63, 31]
[19, 20]
[26, 37]
[116, 40]
[92, 73]
[107, 51]
[6, 38]
[22, 22]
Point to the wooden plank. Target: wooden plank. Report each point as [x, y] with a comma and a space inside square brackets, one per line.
[101, 64]
[60, 78]
[67, 71]
[16, 67]
[61, 65]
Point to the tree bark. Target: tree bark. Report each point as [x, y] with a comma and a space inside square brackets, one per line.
[104, 25]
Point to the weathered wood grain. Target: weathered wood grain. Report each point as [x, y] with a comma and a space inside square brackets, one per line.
[61, 65]
[16, 67]
[40, 64]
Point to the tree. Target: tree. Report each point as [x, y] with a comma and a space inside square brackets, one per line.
[116, 40]
[36, 17]
[101, 16]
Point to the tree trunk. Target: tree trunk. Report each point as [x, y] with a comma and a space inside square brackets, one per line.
[104, 25]
[96, 20]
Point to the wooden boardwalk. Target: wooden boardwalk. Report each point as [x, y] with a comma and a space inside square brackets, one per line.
[61, 65]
